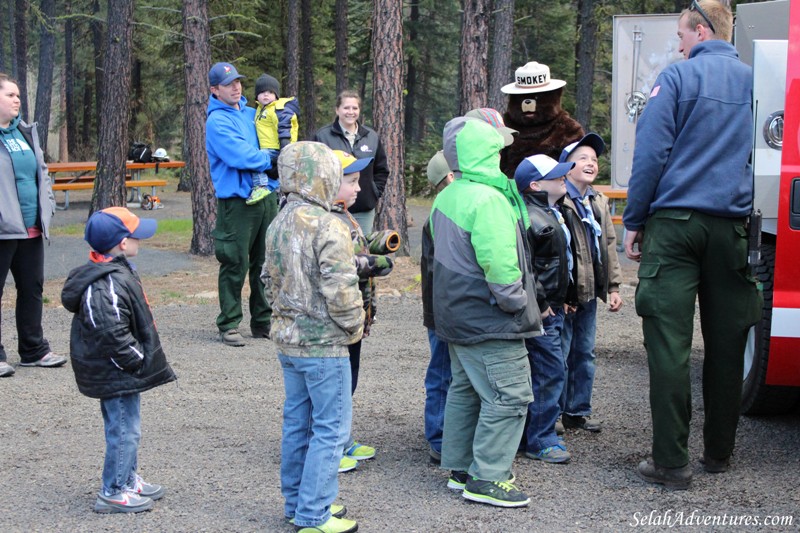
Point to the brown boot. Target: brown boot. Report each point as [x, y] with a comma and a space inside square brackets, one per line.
[672, 478]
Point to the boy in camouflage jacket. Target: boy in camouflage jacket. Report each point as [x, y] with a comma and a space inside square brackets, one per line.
[311, 282]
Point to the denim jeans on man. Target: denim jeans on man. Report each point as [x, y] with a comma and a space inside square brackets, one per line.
[547, 375]
[123, 428]
[437, 381]
[577, 343]
[316, 422]
[486, 407]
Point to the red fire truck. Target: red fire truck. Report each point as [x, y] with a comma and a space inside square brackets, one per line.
[772, 358]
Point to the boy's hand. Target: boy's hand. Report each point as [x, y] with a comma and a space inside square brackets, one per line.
[614, 302]
[569, 308]
[548, 312]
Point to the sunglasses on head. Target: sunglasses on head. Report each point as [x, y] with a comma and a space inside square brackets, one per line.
[696, 7]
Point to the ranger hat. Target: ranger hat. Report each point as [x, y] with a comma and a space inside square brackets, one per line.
[532, 77]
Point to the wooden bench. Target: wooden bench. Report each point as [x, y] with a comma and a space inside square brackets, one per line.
[82, 185]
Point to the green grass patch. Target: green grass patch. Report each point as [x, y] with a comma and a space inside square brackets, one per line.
[173, 233]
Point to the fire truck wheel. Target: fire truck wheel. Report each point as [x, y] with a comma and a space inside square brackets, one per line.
[758, 398]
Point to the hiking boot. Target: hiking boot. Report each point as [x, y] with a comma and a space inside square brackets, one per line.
[257, 194]
[581, 422]
[672, 478]
[333, 525]
[148, 490]
[232, 337]
[6, 370]
[260, 333]
[359, 452]
[337, 511]
[715, 466]
[457, 480]
[125, 502]
[50, 360]
[347, 464]
[559, 427]
[557, 454]
[497, 493]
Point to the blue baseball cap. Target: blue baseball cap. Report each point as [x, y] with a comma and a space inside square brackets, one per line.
[105, 229]
[222, 74]
[539, 167]
[590, 139]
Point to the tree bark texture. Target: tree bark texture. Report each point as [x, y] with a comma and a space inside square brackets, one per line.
[69, 85]
[412, 134]
[21, 54]
[97, 41]
[503, 38]
[474, 46]
[44, 80]
[308, 95]
[292, 86]
[109, 185]
[388, 116]
[197, 54]
[3, 65]
[585, 51]
[342, 46]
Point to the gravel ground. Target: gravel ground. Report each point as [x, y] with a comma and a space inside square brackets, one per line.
[213, 439]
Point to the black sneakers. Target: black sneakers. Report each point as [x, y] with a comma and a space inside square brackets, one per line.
[581, 422]
[497, 493]
[672, 478]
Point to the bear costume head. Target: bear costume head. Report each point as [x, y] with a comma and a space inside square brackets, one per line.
[534, 109]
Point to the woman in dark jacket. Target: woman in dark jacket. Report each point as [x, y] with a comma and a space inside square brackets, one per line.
[347, 135]
[26, 207]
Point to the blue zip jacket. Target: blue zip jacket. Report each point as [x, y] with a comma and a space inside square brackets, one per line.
[232, 146]
[694, 139]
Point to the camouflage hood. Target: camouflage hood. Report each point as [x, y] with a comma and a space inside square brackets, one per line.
[311, 171]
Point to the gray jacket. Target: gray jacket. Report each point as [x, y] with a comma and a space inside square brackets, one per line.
[11, 224]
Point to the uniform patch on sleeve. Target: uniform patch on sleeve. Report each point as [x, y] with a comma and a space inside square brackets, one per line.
[655, 90]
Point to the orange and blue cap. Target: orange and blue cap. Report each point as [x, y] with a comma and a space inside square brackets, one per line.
[105, 229]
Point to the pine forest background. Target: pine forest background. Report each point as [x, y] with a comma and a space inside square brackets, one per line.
[98, 75]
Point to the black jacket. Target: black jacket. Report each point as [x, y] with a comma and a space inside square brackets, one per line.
[549, 249]
[114, 345]
[373, 178]
[426, 280]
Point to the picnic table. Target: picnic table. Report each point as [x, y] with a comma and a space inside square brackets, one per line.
[79, 175]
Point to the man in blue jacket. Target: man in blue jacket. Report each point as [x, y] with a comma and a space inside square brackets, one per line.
[689, 196]
[233, 155]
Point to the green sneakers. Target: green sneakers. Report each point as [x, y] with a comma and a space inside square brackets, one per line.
[346, 464]
[359, 452]
[497, 493]
[257, 194]
[337, 511]
[333, 525]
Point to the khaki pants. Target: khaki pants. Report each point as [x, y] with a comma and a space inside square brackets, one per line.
[688, 255]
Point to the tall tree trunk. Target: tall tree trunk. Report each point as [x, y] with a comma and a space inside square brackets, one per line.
[63, 134]
[86, 127]
[21, 54]
[308, 95]
[109, 185]
[388, 116]
[136, 103]
[503, 38]
[197, 54]
[70, 104]
[340, 32]
[292, 86]
[412, 135]
[474, 44]
[44, 81]
[97, 41]
[585, 50]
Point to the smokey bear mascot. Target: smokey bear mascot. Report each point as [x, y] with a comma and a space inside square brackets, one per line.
[534, 109]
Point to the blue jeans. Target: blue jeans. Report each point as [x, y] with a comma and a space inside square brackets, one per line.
[577, 343]
[316, 422]
[547, 375]
[437, 381]
[123, 428]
